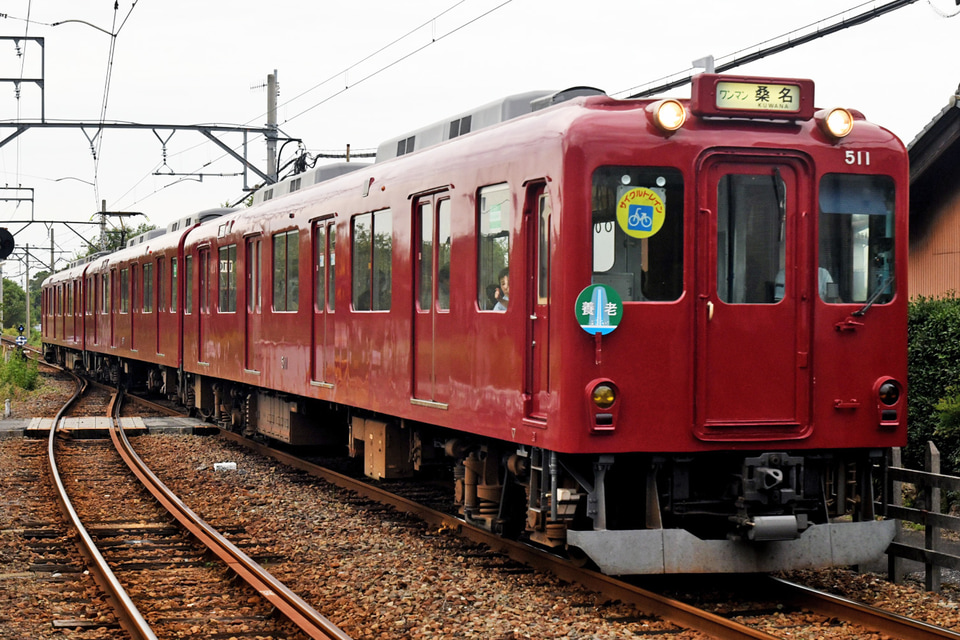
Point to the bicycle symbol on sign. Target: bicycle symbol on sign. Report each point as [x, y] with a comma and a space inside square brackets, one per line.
[640, 218]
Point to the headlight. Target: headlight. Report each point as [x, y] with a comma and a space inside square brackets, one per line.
[836, 123]
[604, 396]
[669, 115]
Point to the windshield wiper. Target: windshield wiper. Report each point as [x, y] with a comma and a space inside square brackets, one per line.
[876, 294]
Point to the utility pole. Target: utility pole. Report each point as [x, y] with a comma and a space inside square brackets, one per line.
[272, 125]
[103, 225]
[27, 288]
[52, 269]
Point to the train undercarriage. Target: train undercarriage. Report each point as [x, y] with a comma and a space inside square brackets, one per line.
[628, 513]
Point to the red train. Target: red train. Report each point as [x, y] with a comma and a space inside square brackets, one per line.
[669, 335]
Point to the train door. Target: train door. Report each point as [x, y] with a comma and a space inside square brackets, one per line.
[134, 304]
[203, 313]
[537, 212]
[110, 303]
[95, 305]
[70, 317]
[254, 298]
[161, 303]
[324, 289]
[432, 347]
[753, 302]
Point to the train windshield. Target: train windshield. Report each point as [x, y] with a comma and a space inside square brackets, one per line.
[856, 238]
[638, 232]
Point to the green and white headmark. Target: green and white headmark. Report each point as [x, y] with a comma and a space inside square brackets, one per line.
[599, 309]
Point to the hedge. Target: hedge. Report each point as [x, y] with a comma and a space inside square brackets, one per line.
[933, 378]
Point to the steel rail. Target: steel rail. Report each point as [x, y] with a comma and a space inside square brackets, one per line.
[679, 613]
[143, 401]
[886, 623]
[130, 617]
[308, 619]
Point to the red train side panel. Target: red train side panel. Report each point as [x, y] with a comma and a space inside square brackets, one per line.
[674, 340]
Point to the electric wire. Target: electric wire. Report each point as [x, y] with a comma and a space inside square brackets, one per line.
[376, 72]
[736, 54]
[114, 32]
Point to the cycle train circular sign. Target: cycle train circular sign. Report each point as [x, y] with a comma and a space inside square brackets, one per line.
[640, 212]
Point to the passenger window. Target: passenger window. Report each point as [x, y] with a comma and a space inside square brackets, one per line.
[147, 270]
[372, 261]
[324, 245]
[173, 284]
[105, 294]
[495, 218]
[331, 268]
[124, 290]
[188, 285]
[856, 238]
[638, 247]
[228, 279]
[286, 271]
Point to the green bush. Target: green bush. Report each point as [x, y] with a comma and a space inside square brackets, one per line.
[19, 372]
[933, 378]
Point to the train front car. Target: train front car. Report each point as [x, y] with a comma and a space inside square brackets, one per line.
[737, 371]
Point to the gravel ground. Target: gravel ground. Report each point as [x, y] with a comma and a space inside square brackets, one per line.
[402, 578]
[421, 580]
[384, 575]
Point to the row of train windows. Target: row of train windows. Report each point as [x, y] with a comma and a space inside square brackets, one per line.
[638, 235]
[371, 272]
[641, 258]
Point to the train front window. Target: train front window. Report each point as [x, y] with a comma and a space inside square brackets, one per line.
[856, 238]
[638, 232]
[751, 238]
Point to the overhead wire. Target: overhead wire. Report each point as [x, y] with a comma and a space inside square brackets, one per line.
[114, 32]
[388, 65]
[736, 54]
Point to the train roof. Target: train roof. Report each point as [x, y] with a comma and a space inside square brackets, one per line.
[478, 118]
[486, 115]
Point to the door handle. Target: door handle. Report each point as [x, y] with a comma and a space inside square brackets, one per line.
[709, 310]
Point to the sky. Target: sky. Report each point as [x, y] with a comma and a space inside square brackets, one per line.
[360, 72]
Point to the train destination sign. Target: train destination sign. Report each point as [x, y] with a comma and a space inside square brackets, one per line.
[752, 97]
[599, 309]
[757, 96]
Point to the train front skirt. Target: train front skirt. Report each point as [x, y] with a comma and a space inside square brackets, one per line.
[651, 551]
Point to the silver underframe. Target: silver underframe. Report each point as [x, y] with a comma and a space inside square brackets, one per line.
[651, 551]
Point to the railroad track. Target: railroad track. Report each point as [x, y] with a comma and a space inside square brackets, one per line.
[160, 580]
[767, 616]
[751, 620]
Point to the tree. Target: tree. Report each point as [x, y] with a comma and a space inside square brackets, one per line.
[117, 239]
[14, 304]
[36, 284]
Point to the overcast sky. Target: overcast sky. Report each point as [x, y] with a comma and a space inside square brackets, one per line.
[189, 62]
